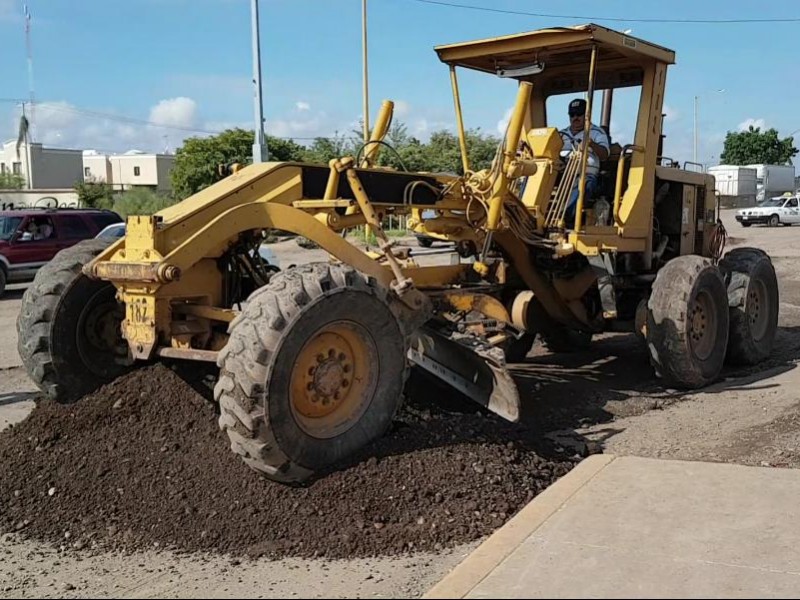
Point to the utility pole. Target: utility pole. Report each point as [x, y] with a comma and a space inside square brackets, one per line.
[260, 151]
[364, 65]
[27, 135]
[29, 52]
[694, 159]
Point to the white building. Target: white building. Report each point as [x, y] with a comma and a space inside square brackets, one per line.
[40, 167]
[129, 170]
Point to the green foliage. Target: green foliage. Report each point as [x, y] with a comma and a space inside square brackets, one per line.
[756, 147]
[359, 235]
[94, 194]
[323, 150]
[442, 153]
[196, 161]
[11, 181]
[140, 201]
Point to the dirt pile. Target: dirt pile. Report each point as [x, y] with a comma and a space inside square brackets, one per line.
[141, 464]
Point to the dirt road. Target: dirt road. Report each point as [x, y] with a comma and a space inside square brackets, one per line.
[606, 395]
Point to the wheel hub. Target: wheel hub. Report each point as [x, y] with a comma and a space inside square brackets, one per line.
[333, 378]
[757, 309]
[702, 326]
[698, 323]
[328, 378]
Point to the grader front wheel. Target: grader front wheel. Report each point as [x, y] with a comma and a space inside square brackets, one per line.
[314, 370]
[68, 326]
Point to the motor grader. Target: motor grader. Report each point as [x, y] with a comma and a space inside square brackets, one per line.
[313, 359]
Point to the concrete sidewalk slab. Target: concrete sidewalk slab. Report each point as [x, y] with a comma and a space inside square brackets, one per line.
[633, 527]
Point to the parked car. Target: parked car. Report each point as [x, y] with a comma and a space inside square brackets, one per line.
[115, 230]
[773, 212]
[30, 238]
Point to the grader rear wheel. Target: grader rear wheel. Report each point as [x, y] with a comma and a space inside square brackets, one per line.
[753, 303]
[314, 370]
[687, 322]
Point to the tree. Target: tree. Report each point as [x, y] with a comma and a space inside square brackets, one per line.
[443, 152]
[756, 147]
[141, 201]
[197, 160]
[324, 149]
[11, 181]
[94, 194]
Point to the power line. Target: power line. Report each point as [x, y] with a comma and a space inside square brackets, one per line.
[137, 121]
[597, 18]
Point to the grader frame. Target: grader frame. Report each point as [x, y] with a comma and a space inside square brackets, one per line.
[182, 273]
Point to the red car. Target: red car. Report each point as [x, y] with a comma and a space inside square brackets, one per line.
[29, 238]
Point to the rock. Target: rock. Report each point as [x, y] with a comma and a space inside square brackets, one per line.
[51, 491]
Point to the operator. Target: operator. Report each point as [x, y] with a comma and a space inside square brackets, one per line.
[599, 147]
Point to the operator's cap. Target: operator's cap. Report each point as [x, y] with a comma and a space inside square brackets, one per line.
[577, 106]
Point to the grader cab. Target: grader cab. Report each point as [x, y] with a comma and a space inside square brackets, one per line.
[313, 359]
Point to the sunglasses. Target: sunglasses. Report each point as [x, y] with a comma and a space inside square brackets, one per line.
[573, 115]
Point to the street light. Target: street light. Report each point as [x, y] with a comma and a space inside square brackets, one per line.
[260, 151]
[364, 81]
[694, 159]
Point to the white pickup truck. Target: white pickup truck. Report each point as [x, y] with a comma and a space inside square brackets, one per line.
[773, 212]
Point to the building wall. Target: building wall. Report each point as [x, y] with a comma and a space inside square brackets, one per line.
[151, 170]
[164, 165]
[9, 163]
[56, 168]
[10, 200]
[49, 167]
[97, 167]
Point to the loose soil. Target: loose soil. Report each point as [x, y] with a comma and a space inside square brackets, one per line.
[141, 464]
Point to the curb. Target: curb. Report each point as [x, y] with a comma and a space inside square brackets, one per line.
[486, 557]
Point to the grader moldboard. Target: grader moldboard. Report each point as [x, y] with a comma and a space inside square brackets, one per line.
[313, 359]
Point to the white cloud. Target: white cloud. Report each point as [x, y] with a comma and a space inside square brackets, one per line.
[64, 125]
[300, 105]
[747, 123]
[422, 128]
[311, 126]
[175, 112]
[502, 124]
[670, 114]
[401, 108]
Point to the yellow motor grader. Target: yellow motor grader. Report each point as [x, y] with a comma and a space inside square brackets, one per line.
[313, 359]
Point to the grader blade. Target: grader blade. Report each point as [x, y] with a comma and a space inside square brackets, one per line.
[469, 365]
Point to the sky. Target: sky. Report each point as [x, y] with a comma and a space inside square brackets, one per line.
[186, 66]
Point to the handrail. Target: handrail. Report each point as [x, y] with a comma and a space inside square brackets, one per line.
[627, 151]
